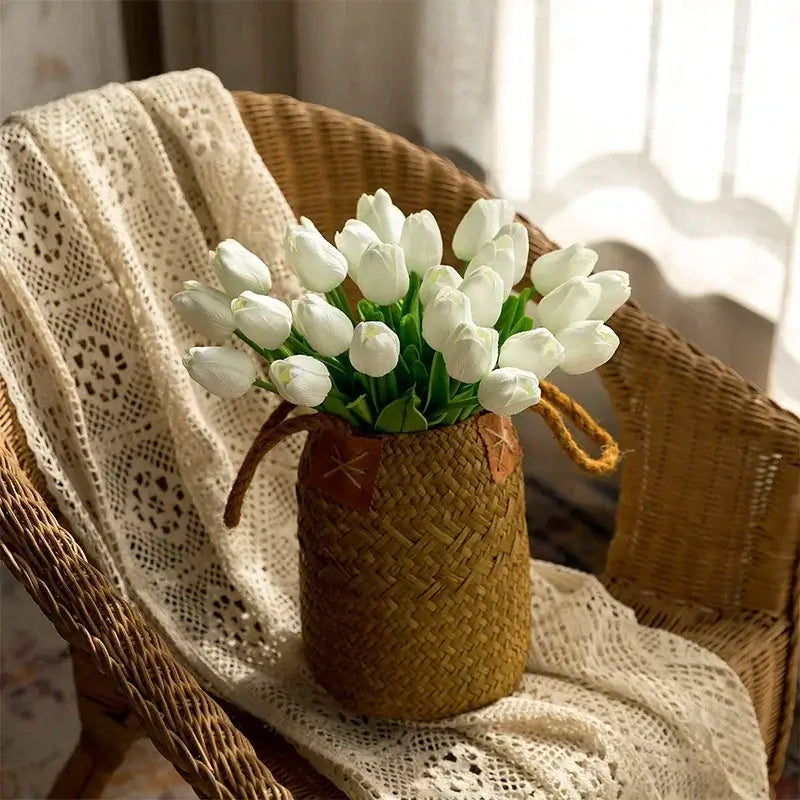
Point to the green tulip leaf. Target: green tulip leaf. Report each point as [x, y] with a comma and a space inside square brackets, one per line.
[507, 315]
[411, 354]
[420, 376]
[524, 324]
[411, 301]
[403, 373]
[369, 312]
[334, 404]
[409, 333]
[401, 416]
[362, 409]
[438, 384]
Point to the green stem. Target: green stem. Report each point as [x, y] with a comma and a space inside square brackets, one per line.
[262, 384]
[338, 298]
[269, 355]
[411, 302]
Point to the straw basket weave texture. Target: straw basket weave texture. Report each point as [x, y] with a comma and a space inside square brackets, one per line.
[417, 607]
[414, 580]
[707, 541]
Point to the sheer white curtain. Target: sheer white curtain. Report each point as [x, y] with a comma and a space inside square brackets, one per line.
[670, 125]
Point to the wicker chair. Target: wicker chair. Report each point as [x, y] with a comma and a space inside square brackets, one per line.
[707, 541]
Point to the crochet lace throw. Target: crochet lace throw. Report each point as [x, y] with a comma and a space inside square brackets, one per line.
[109, 200]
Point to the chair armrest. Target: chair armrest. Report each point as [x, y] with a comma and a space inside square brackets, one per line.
[185, 724]
[708, 512]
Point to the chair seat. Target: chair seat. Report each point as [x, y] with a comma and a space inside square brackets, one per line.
[285, 763]
[746, 643]
[754, 644]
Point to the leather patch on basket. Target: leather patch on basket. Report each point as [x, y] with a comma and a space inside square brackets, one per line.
[503, 451]
[345, 467]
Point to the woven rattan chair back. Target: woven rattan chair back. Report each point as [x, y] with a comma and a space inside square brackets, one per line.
[707, 531]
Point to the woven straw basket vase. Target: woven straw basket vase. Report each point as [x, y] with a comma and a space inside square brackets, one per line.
[414, 582]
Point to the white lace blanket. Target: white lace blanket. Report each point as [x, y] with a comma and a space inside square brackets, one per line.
[108, 200]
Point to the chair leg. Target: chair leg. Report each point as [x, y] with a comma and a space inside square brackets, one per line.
[108, 729]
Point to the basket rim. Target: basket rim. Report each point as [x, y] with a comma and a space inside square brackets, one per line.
[438, 430]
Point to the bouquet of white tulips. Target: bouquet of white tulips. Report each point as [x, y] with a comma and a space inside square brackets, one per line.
[425, 346]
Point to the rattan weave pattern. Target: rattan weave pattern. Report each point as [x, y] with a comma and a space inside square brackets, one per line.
[707, 538]
[708, 524]
[186, 725]
[418, 608]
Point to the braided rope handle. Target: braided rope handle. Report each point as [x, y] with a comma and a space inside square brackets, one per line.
[553, 407]
[273, 431]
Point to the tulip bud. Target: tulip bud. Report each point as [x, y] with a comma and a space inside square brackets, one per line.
[222, 371]
[239, 270]
[552, 269]
[353, 240]
[375, 349]
[327, 329]
[570, 302]
[382, 275]
[207, 310]
[264, 320]
[301, 380]
[306, 223]
[448, 308]
[479, 225]
[421, 241]
[508, 390]
[615, 289]
[470, 352]
[519, 237]
[499, 256]
[536, 351]
[437, 278]
[587, 345]
[486, 292]
[318, 264]
[385, 218]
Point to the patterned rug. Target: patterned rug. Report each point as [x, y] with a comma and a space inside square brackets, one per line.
[38, 721]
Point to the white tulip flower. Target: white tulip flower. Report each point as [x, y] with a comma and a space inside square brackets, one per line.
[448, 308]
[486, 292]
[470, 352]
[572, 301]
[421, 241]
[375, 349]
[207, 310]
[587, 345]
[552, 269]
[353, 240]
[536, 351]
[385, 218]
[615, 289]
[265, 320]
[499, 256]
[437, 278]
[239, 270]
[302, 380]
[306, 223]
[222, 371]
[318, 264]
[519, 237]
[508, 391]
[327, 329]
[479, 225]
[382, 275]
